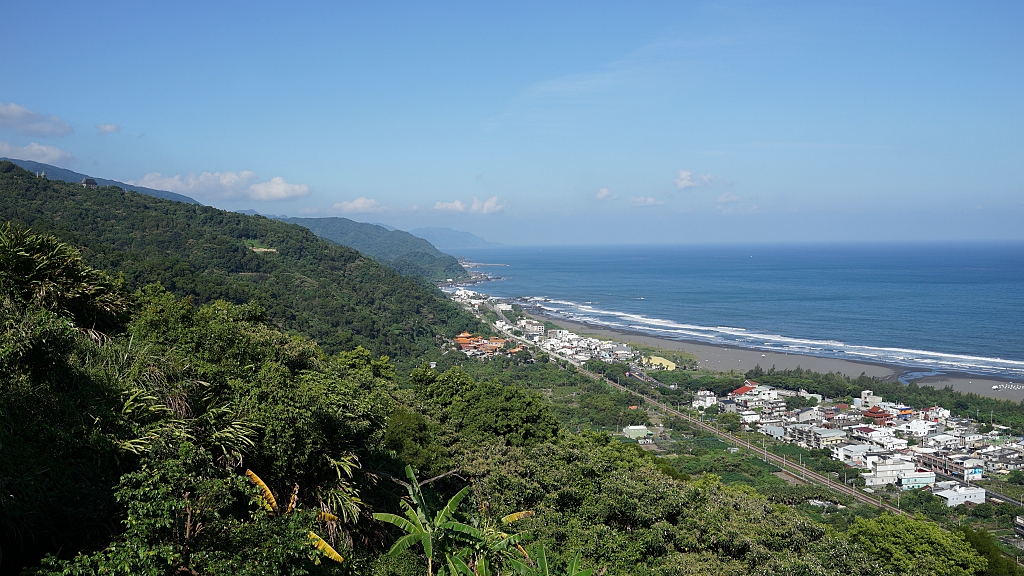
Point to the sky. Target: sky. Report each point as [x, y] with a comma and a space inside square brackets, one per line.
[542, 123]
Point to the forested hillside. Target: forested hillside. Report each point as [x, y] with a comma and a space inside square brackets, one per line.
[400, 250]
[328, 292]
[146, 434]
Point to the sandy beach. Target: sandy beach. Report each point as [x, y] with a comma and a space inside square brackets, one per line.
[723, 358]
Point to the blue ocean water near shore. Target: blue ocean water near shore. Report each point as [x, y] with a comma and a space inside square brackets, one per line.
[933, 306]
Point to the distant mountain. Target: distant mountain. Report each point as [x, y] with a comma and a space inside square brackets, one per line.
[55, 173]
[402, 251]
[252, 212]
[448, 239]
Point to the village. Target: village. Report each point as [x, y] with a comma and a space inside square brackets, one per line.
[563, 344]
[893, 444]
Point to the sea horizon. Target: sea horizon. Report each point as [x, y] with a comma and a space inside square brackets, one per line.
[937, 306]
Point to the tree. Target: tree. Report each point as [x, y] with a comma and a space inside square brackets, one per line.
[985, 544]
[916, 547]
[731, 421]
[41, 271]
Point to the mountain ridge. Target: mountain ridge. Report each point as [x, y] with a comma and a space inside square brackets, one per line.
[65, 175]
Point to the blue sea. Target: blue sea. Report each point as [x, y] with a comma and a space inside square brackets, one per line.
[936, 307]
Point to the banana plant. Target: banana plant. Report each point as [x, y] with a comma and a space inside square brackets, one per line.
[541, 567]
[268, 502]
[489, 544]
[432, 534]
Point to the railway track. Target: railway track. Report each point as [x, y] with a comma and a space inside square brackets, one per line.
[783, 463]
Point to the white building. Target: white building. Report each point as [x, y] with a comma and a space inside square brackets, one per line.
[888, 472]
[917, 428]
[749, 416]
[962, 495]
[859, 455]
[867, 400]
[635, 432]
[704, 399]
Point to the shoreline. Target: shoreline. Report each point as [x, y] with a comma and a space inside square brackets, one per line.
[723, 358]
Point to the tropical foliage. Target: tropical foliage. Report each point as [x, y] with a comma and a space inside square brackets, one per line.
[146, 433]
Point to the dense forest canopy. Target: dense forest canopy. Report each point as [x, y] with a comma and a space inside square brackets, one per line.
[331, 293]
[407, 254]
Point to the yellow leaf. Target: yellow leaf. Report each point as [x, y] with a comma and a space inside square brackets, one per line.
[324, 547]
[517, 516]
[268, 497]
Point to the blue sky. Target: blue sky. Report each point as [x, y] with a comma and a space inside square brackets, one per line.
[542, 123]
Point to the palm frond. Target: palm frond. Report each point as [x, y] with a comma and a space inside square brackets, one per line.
[403, 543]
[523, 569]
[457, 566]
[574, 567]
[324, 547]
[462, 529]
[452, 506]
[402, 523]
[268, 497]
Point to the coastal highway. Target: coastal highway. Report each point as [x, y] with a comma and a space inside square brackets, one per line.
[783, 463]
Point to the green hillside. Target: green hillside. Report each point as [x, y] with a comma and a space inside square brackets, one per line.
[331, 293]
[408, 254]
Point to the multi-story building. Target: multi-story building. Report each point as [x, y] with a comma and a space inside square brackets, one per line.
[888, 472]
[962, 495]
[962, 466]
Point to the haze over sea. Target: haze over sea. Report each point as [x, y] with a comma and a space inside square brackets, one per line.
[947, 307]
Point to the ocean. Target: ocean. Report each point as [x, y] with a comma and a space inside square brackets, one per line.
[934, 307]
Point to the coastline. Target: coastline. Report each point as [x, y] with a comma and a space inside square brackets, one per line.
[732, 358]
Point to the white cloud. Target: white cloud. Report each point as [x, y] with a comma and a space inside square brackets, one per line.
[489, 206]
[454, 206]
[277, 189]
[605, 194]
[644, 201]
[29, 123]
[728, 204]
[36, 152]
[685, 180]
[107, 128]
[226, 185]
[360, 205]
